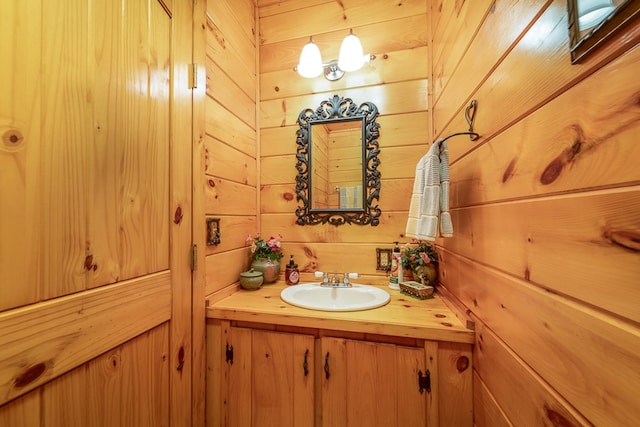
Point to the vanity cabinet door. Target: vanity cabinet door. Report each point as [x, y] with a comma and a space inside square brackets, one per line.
[268, 383]
[372, 384]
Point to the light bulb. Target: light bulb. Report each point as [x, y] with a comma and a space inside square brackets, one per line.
[310, 64]
[351, 56]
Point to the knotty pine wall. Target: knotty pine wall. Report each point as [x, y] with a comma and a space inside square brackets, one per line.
[546, 210]
[95, 235]
[230, 165]
[396, 81]
[545, 205]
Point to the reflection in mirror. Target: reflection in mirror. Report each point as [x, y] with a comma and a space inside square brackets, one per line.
[337, 161]
[336, 168]
[593, 22]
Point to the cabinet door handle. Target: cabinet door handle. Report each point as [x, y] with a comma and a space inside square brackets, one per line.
[326, 366]
[305, 364]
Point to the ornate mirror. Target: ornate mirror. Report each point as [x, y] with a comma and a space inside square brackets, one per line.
[338, 180]
[594, 22]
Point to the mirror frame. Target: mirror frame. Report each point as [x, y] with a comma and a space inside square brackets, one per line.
[332, 110]
[614, 23]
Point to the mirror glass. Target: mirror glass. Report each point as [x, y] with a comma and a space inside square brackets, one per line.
[593, 22]
[337, 160]
[336, 169]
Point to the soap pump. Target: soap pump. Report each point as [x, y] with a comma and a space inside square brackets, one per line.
[396, 268]
[292, 275]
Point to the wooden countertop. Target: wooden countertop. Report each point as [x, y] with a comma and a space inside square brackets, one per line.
[403, 316]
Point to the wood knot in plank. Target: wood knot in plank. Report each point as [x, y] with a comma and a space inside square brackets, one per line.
[12, 139]
[29, 375]
[508, 172]
[626, 239]
[177, 217]
[462, 363]
[557, 165]
[556, 418]
[88, 263]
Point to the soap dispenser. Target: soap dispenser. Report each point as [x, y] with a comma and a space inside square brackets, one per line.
[396, 268]
[291, 274]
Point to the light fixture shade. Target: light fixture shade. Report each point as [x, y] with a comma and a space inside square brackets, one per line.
[592, 12]
[310, 64]
[351, 56]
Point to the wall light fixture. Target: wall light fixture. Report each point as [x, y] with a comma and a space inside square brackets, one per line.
[350, 58]
[592, 12]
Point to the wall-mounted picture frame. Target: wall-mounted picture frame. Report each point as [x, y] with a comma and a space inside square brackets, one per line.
[383, 259]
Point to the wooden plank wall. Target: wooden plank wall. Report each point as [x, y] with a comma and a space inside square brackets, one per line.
[95, 291]
[546, 210]
[396, 81]
[230, 163]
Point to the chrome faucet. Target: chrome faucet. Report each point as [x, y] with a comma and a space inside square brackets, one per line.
[333, 279]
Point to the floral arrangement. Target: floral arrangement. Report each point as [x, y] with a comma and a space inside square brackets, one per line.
[260, 248]
[414, 257]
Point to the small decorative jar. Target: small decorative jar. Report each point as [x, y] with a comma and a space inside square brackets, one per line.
[251, 279]
[270, 269]
[426, 274]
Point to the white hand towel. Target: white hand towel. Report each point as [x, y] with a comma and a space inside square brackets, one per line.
[429, 208]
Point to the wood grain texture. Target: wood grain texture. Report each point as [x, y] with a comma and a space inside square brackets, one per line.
[235, 20]
[183, 363]
[23, 411]
[584, 226]
[549, 333]
[197, 169]
[230, 183]
[20, 131]
[543, 406]
[455, 375]
[227, 57]
[486, 411]
[101, 177]
[224, 161]
[393, 98]
[333, 16]
[559, 139]
[587, 141]
[225, 268]
[42, 341]
[238, 379]
[225, 91]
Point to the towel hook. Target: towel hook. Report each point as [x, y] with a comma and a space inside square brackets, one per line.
[470, 116]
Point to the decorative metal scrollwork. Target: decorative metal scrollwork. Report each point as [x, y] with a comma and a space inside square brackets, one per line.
[338, 109]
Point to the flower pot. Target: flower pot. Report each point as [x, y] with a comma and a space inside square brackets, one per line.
[270, 269]
[426, 274]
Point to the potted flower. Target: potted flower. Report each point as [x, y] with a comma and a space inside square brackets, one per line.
[266, 255]
[421, 258]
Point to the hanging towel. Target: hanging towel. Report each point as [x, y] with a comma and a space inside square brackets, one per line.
[429, 209]
[351, 197]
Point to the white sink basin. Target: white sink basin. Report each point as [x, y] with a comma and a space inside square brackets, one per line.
[316, 297]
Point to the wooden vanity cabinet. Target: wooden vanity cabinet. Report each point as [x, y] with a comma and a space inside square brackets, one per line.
[261, 376]
[370, 384]
[266, 379]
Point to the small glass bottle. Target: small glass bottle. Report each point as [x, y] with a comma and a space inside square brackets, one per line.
[291, 274]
